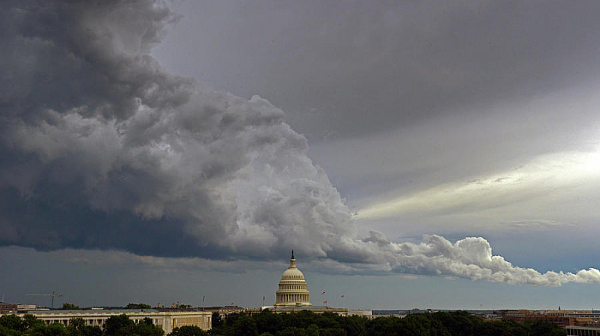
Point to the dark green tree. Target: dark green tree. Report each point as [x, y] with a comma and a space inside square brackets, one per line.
[188, 331]
[385, 326]
[332, 332]
[77, 327]
[147, 321]
[118, 325]
[138, 306]
[143, 329]
[54, 329]
[217, 322]
[328, 320]
[312, 330]
[539, 328]
[354, 325]
[122, 325]
[268, 322]
[69, 306]
[245, 326]
[9, 332]
[30, 321]
[291, 331]
[12, 322]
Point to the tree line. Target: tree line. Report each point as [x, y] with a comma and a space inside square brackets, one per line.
[304, 323]
[307, 323]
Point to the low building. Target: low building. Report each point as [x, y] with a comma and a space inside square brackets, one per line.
[517, 315]
[224, 310]
[21, 308]
[7, 308]
[14, 308]
[166, 320]
[314, 309]
[561, 318]
[561, 321]
[365, 313]
[387, 313]
[582, 331]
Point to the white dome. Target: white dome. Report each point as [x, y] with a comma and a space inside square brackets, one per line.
[292, 274]
[292, 287]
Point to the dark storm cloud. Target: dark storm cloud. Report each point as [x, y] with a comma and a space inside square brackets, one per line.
[70, 60]
[83, 55]
[342, 68]
[103, 149]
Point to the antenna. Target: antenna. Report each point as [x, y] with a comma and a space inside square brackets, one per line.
[293, 254]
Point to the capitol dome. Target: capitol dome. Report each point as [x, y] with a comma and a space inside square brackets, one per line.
[292, 287]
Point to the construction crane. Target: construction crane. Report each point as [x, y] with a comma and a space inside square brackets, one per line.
[53, 295]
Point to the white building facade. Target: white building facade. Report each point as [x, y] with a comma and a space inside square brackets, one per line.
[167, 320]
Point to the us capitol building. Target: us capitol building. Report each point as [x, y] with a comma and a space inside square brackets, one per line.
[292, 288]
[293, 295]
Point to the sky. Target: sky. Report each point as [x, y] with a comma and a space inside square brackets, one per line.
[423, 154]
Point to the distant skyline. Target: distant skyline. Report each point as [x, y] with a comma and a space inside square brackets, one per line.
[430, 155]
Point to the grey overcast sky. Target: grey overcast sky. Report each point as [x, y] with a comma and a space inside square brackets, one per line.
[426, 154]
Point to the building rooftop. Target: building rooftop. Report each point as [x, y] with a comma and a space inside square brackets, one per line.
[93, 311]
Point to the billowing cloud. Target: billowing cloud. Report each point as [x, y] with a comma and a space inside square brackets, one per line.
[103, 149]
[469, 258]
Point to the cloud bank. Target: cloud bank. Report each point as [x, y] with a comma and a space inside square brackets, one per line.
[542, 176]
[103, 149]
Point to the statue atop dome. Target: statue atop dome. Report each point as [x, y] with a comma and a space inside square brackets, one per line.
[292, 287]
